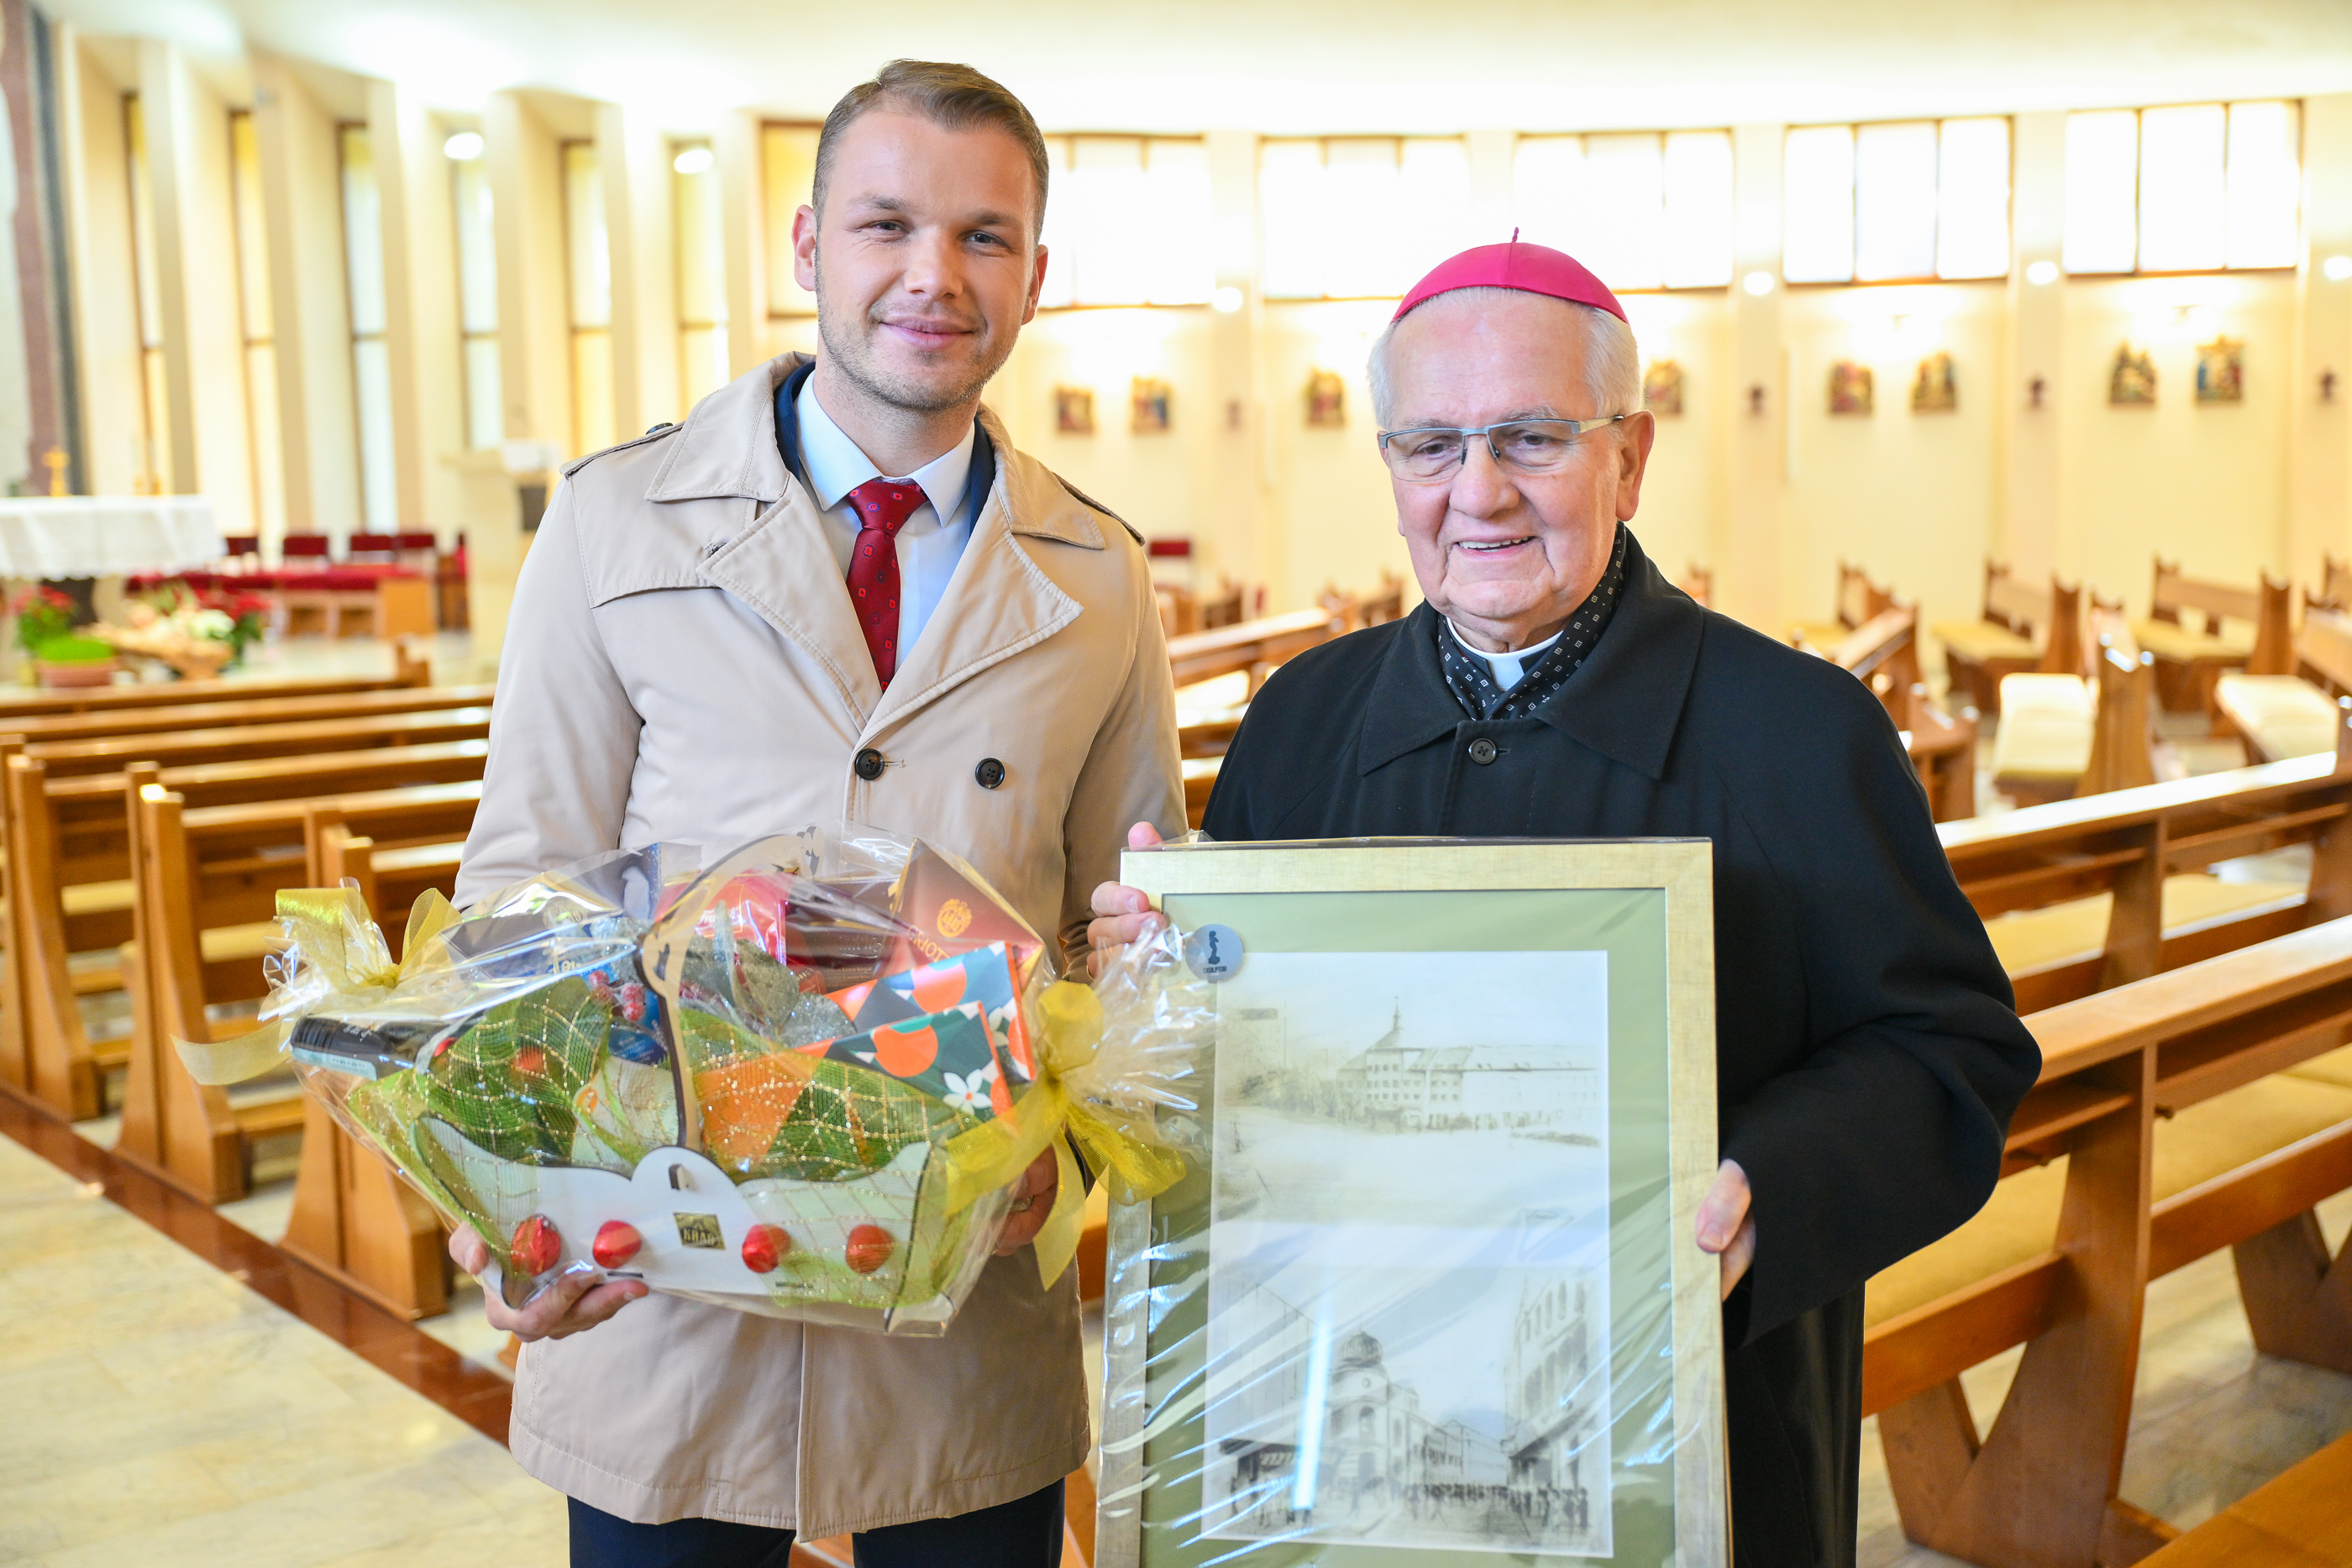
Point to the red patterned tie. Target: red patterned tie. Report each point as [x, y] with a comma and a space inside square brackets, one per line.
[883, 507]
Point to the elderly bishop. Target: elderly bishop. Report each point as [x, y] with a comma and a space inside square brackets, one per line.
[1554, 684]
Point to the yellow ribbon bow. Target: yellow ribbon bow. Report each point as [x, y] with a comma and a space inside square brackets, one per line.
[333, 931]
[1122, 1153]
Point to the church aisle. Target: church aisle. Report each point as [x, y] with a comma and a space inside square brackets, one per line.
[159, 1412]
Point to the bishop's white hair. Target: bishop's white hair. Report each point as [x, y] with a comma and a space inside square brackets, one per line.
[1613, 364]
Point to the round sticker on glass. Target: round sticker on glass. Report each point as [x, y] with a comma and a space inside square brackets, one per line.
[1214, 952]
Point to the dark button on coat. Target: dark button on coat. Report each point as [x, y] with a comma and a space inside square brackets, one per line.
[1868, 1051]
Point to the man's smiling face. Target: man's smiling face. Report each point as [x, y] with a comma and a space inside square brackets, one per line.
[1508, 557]
[925, 261]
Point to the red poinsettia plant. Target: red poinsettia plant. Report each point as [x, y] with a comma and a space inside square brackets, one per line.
[43, 615]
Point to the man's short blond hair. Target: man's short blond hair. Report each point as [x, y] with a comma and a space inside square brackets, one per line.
[1612, 360]
[952, 96]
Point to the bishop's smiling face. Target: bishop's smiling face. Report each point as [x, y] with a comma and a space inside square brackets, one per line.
[1508, 557]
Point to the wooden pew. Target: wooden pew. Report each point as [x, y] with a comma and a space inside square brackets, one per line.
[353, 1218]
[1858, 601]
[2296, 1521]
[2021, 629]
[70, 837]
[2279, 715]
[2164, 1099]
[207, 881]
[1226, 606]
[1882, 651]
[2191, 657]
[238, 711]
[1943, 750]
[183, 748]
[2142, 848]
[1257, 647]
[1698, 581]
[409, 669]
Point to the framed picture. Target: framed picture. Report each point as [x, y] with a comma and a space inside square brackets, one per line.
[1073, 410]
[1432, 1297]
[2222, 370]
[1151, 396]
[2131, 383]
[1853, 388]
[1933, 390]
[1662, 389]
[1326, 401]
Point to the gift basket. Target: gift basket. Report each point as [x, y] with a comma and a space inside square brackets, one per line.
[800, 1081]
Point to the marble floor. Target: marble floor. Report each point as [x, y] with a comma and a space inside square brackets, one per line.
[160, 1414]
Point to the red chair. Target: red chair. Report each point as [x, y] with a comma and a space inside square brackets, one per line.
[371, 548]
[240, 552]
[305, 552]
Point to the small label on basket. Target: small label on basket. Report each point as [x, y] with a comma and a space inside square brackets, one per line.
[700, 1230]
[1213, 952]
[356, 1066]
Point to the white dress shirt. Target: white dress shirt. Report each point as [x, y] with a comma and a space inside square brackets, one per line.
[929, 542]
[1508, 667]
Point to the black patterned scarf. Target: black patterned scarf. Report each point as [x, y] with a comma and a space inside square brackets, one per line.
[1471, 678]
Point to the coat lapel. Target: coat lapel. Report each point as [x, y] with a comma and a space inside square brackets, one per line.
[999, 601]
[781, 565]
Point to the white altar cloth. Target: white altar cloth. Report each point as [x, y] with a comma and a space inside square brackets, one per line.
[105, 536]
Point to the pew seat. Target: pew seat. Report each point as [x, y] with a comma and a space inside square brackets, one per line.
[2172, 642]
[2028, 940]
[2045, 729]
[2296, 1521]
[2020, 1221]
[2334, 1067]
[1984, 642]
[2279, 715]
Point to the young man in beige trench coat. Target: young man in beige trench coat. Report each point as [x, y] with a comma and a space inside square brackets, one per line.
[684, 663]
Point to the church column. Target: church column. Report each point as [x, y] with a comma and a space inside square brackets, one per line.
[743, 221]
[1747, 550]
[2026, 532]
[104, 297]
[310, 305]
[204, 438]
[633, 159]
[420, 287]
[534, 331]
[1229, 518]
[2319, 430]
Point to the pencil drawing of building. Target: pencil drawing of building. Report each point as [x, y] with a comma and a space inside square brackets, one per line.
[1466, 1085]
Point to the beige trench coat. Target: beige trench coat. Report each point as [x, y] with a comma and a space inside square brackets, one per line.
[682, 665]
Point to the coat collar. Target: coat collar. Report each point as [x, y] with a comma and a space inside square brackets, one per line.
[729, 447]
[1625, 703]
[999, 601]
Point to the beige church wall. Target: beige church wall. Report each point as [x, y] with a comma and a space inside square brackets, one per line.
[1330, 516]
[1683, 490]
[1909, 496]
[2204, 484]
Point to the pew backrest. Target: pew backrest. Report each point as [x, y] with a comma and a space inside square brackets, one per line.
[246, 711]
[180, 748]
[1253, 645]
[409, 670]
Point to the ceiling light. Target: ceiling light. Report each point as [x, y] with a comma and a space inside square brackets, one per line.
[1757, 283]
[2337, 267]
[693, 161]
[2041, 272]
[1226, 300]
[463, 146]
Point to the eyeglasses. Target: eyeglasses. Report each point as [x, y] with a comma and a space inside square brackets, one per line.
[1522, 446]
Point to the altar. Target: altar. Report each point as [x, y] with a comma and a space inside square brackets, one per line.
[50, 536]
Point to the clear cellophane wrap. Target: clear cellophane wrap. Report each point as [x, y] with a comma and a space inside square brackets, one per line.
[801, 1080]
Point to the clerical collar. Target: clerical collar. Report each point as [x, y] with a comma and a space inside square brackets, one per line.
[1478, 683]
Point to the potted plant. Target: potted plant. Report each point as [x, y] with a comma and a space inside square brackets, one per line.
[45, 630]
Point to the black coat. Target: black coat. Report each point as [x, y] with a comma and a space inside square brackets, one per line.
[1868, 1051]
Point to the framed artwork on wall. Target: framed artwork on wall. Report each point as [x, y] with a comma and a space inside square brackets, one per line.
[1150, 398]
[2131, 383]
[1662, 389]
[1326, 401]
[1933, 390]
[2222, 370]
[1430, 1295]
[1853, 388]
[1073, 410]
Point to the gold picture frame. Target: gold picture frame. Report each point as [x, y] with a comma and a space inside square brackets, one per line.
[1934, 389]
[1853, 388]
[1326, 401]
[1073, 410]
[1662, 389]
[2222, 370]
[1150, 399]
[1424, 918]
[2131, 381]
